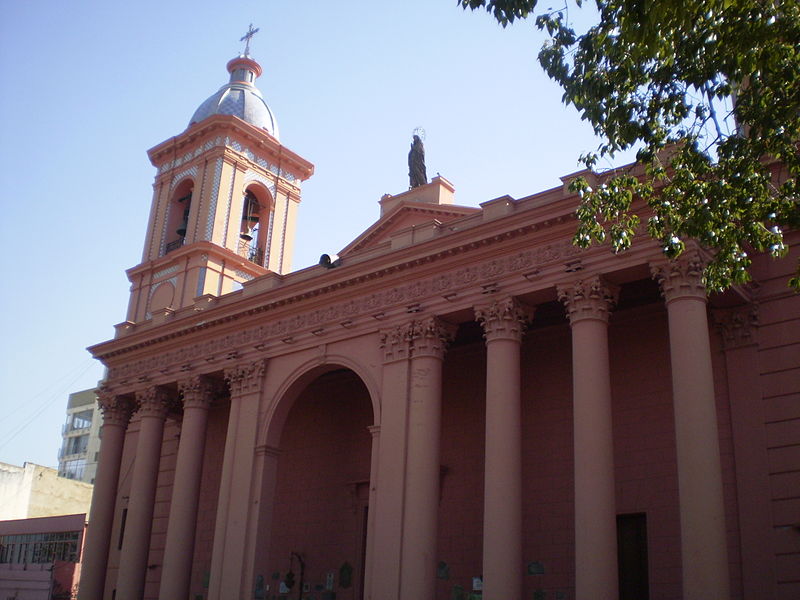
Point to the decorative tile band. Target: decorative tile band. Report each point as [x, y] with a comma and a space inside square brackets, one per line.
[166, 271]
[212, 209]
[190, 172]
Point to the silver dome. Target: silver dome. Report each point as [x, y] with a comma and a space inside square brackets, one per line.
[240, 98]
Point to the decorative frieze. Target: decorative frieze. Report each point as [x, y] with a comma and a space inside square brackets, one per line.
[246, 378]
[117, 410]
[682, 277]
[737, 326]
[198, 391]
[588, 298]
[504, 319]
[369, 304]
[153, 401]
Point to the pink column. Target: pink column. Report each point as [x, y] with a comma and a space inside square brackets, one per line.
[384, 582]
[503, 323]
[116, 414]
[418, 558]
[375, 433]
[198, 393]
[738, 328]
[136, 546]
[703, 539]
[588, 302]
[231, 556]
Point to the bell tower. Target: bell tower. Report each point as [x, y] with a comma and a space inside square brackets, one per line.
[224, 203]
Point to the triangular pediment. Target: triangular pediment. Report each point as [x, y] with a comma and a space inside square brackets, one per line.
[432, 202]
[407, 213]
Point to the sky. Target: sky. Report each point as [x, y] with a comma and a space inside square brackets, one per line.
[87, 87]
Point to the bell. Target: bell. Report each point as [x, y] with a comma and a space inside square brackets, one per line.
[249, 217]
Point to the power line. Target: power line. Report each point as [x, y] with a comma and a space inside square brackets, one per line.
[58, 395]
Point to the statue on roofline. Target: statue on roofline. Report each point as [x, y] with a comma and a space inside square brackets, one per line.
[417, 175]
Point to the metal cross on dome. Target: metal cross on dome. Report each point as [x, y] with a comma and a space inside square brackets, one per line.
[246, 38]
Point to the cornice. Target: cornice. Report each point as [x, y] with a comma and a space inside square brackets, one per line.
[201, 247]
[228, 125]
[461, 270]
[436, 284]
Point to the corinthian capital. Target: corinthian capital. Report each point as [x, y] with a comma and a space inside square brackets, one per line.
[737, 326]
[682, 277]
[504, 319]
[153, 402]
[396, 343]
[588, 298]
[117, 410]
[430, 337]
[198, 391]
[246, 378]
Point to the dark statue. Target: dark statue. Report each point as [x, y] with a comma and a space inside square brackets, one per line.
[416, 164]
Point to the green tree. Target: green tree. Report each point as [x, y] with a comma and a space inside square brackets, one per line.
[708, 91]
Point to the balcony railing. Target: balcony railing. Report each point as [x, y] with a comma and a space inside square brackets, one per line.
[256, 255]
[252, 253]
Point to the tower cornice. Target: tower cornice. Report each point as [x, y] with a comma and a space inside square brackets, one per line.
[229, 129]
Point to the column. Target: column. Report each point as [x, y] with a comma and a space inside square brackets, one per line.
[385, 564]
[197, 392]
[152, 412]
[264, 483]
[738, 328]
[232, 532]
[375, 433]
[588, 302]
[116, 414]
[503, 324]
[429, 340]
[703, 539]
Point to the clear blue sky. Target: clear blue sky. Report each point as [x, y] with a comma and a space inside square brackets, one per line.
[89, 86]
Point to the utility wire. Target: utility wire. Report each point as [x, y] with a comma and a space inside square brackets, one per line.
[58, 395]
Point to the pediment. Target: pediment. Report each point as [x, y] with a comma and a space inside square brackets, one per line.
[405, 214]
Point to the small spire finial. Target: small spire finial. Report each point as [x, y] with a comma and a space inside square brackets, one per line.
[246, 38]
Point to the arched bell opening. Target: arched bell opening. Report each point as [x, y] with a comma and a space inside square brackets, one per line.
[317, 538]
[178, 215]
[254, 225]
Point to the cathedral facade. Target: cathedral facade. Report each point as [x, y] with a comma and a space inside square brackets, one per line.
[463, 405]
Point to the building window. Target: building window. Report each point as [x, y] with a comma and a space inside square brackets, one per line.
[82, 420]
[73, 469]
[40, 547]
[77, 445]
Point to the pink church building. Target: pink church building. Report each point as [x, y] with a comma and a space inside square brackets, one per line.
[464, 406]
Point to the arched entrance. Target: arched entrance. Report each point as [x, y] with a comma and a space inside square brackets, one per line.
[320, 506]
